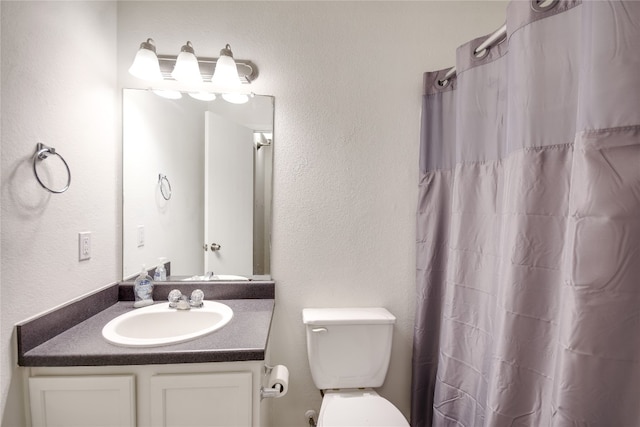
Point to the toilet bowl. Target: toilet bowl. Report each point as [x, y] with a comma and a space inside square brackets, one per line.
[349, 351]
[356, 408]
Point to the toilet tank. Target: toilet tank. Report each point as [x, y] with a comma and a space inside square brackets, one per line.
[348, 347]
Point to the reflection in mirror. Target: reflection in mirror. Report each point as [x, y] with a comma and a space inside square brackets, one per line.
[197, 186]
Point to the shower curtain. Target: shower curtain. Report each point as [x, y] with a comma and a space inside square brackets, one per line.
[528, 225]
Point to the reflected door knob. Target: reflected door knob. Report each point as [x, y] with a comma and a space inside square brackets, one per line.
[215, 247]
[205, 247]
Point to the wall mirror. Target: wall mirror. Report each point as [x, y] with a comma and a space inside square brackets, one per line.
[197, 186]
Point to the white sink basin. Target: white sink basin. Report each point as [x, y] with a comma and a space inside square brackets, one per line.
[216, 277]
[158, 324]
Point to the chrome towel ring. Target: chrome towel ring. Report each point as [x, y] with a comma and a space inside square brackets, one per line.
[165, 186]
[42, 152]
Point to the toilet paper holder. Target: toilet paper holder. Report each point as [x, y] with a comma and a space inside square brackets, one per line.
[276, 379]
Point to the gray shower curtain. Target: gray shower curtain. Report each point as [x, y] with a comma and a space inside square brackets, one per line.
[528, 240]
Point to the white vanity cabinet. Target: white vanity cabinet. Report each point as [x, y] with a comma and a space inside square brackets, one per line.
[191, 394]
[83, 401]
[220, 399]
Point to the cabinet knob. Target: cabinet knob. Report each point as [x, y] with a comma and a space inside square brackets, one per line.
[215, 247]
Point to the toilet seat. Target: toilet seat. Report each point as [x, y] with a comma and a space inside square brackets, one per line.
[353, 408]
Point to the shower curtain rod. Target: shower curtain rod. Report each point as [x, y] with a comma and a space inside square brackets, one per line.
[496, 37]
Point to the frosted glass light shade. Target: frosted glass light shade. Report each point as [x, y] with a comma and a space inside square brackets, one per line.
[145, 65]
[187, 69]
[225, 77]
[226, 71]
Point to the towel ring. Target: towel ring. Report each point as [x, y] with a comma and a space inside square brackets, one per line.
[166, 193]
[42, 152]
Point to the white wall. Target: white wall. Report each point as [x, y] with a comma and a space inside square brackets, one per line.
[347, 80]
[163, 136]
[59, 87]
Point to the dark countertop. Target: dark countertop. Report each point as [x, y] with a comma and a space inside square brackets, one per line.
[81, 344]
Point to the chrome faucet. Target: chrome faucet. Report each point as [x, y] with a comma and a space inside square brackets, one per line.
[181, 302]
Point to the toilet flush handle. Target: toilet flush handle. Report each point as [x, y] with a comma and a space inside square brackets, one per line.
[319, 330]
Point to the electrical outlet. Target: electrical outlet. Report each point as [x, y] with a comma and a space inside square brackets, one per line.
[84, 245]
[140, 235]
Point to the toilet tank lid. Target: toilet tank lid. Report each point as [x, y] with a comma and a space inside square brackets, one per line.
[347, 316]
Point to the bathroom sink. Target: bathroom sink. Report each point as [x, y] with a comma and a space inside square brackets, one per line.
[216, 277]
[157, 324]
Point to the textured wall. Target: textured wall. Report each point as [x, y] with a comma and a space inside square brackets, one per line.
[58, 87]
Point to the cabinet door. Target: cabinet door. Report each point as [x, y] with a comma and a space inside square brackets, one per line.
[83, 401]
[215, 399]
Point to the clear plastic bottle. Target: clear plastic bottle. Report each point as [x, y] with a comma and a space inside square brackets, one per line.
[143, 289]
[160, 274]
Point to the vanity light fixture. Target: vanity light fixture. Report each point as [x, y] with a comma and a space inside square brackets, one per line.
[145, 65]
[187, 69]
[226, 74]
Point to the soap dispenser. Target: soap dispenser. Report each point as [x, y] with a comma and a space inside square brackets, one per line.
[160, 274]
[143, 289]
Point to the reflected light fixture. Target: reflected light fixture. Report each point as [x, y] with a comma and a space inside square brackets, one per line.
[167, 93]
[145, 65]
[203, 96]
[187, 69]
[236, 98]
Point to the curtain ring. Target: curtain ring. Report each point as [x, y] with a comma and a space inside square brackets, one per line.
[42, 152]
[543, 5]
[162, 180]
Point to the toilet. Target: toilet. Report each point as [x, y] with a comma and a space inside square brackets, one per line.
[349, 351]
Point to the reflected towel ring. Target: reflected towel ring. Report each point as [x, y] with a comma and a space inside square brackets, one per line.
[42, 152]
[165, 186]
